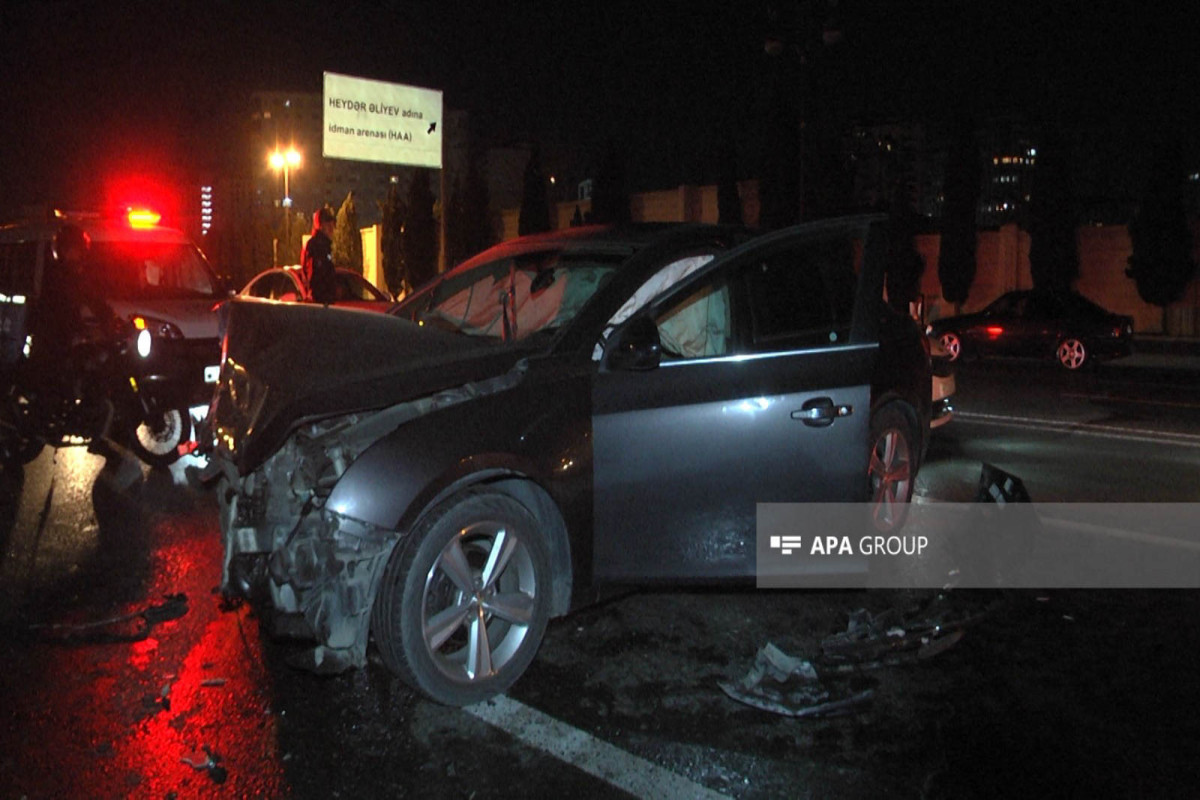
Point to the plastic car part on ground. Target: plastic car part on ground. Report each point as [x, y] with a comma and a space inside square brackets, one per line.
[765, 687]
[115, 629]
[888, 638]
[792, 686]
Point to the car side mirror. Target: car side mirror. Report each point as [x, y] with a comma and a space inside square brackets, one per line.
[635, 346]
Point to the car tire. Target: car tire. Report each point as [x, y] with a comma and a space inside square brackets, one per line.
[157, 437]
[1071, 353]
[15, 447]
[447, 627]
[893, 466]
[952, 344]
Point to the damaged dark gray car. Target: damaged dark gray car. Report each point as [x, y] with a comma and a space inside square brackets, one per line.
[560, 414]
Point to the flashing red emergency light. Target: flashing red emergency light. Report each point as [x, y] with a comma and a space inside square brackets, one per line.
[143, 218]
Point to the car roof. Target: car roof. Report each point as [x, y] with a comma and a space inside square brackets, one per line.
[620, 240]
[98, 227]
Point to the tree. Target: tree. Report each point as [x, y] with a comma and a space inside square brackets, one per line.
[610, 197]
[535, 205]
[1053, 247]
[469, 224]
[347, 238]
[905, 266]
[956, 259]
[392, 241]
[729, 203]
[298, 227]
[779, 181]
[420, 233]
[456, 222]
[1161, 262]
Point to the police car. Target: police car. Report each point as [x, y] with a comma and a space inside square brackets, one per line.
[151, 275]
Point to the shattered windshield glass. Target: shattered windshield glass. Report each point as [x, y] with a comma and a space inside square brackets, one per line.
[513, 298]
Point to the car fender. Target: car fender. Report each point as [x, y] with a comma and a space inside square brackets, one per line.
[420, 459]
[526, 450]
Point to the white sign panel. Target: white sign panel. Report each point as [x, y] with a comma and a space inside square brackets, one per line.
[388, 123]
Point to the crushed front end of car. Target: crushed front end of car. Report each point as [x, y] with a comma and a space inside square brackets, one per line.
[279, 447]
[319, 567]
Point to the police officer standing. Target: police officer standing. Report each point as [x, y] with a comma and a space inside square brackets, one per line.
[317, 263]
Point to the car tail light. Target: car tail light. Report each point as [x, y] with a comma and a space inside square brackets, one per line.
[994, 330]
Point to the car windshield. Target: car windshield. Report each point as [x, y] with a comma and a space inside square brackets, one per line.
[152, 271]
[513, 298]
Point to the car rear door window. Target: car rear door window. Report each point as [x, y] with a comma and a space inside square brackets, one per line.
[802, 296]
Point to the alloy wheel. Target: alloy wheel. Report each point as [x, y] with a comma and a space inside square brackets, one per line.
[891, 472]
[479, 601]
[952, 345]
[1072, 353]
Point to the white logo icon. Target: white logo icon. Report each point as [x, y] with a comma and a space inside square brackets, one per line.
[785, 544]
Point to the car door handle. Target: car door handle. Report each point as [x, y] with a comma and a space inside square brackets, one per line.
[821, 411]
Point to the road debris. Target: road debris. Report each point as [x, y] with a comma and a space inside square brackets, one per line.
[890, 638]
[210, 764]
[767, 687]
[793, 686]
[116, 629]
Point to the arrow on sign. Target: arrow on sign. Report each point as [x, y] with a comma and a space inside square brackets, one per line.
[432, 127]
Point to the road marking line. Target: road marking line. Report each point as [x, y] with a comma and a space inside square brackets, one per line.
[1131, 400]
[1119, 533]
[1083, 428]
[607, 762]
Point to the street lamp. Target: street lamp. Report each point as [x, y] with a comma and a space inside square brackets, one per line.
[286, 161]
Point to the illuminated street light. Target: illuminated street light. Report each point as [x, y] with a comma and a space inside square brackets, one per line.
[286, 161]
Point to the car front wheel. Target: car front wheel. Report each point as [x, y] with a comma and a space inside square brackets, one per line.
[463, 605]
[157, 437]
[1071, 353]
[893, 466]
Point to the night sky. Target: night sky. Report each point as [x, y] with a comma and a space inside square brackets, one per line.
[99, 93]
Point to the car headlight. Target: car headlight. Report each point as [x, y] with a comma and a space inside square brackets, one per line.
[144, 342]
[156, 327]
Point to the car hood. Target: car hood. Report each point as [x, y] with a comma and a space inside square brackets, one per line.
[286, 364]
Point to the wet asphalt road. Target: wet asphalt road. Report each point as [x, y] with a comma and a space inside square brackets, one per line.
[1056, 693]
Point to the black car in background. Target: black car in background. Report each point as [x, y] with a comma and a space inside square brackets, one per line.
[1064, 326]
[561, 413]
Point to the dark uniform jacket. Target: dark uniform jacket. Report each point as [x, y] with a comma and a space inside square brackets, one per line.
[318, 268]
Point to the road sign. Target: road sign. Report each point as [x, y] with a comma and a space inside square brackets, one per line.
[387, 123]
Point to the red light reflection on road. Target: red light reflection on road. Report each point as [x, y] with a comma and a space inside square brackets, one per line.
[212, 696]
[116, 715]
